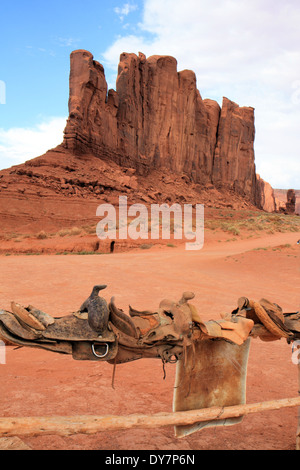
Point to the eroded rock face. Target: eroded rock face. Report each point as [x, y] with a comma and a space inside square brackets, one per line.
[234, 154]
[157, 118]
[265, 198]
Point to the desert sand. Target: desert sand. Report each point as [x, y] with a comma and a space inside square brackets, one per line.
[40, 383]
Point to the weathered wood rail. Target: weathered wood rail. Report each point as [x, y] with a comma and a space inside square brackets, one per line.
[89, 424]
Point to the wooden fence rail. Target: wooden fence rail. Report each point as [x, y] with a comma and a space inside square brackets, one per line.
[89, 424]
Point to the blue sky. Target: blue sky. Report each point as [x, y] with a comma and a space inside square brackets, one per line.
[246, 50]
[37, 38]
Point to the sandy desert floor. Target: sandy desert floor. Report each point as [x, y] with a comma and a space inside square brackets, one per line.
[40, 383]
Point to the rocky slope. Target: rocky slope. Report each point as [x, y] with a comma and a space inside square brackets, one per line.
[60, 190]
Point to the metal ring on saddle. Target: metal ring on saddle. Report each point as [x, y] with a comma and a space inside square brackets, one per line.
[173, 359]
[100, 356]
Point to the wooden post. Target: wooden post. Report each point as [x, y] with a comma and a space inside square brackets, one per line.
[68, 425]
[298, 429]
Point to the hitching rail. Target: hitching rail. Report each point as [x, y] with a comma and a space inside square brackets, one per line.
[89, 424]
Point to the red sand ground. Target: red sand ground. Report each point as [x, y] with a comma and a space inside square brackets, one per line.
[40, 383]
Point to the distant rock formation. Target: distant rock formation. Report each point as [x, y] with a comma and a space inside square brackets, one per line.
[291, 201]
[287, 201]
[157, 119]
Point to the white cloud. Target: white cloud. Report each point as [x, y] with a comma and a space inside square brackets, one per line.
[67, 42]
[246, 50]
[125, 10]
[20, 144]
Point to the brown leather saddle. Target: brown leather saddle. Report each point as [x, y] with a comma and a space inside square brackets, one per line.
[162, 334]
[165, 333]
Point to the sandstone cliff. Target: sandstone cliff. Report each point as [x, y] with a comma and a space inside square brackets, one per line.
[265, 198]
[234, 154]
[153, 139]
[157, 118]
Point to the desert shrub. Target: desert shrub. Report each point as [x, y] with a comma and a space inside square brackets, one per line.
[90, 229]
[42, 235]
[63, 232]
[75, 231]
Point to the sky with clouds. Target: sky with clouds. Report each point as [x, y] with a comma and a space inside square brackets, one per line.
[246, 50]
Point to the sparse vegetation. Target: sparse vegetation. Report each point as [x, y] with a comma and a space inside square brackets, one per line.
[89, 229]
[86, 253]
[275, 248]
[69, 232]
[32, 254]
[10, 236]
[259, 222]
[65, 253]
[75, 231]
[236, 223]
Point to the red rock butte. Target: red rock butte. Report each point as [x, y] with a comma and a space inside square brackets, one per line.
[153, 138]
[157, 118]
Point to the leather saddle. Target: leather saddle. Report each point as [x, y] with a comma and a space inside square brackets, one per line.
[165, 334]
